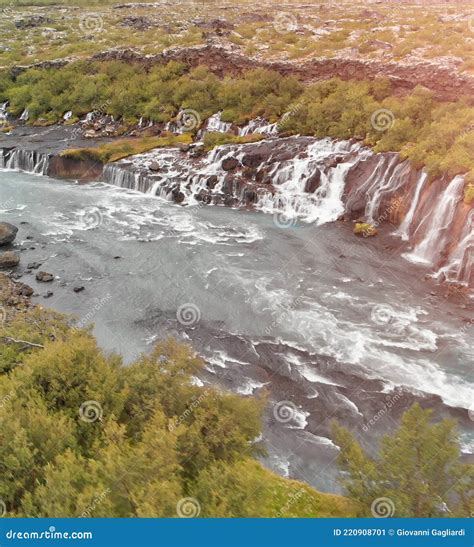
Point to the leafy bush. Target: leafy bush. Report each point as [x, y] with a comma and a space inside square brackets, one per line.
[82, 435]
[434, 134]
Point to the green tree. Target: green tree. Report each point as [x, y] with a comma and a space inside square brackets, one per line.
[418, 469]
[82, 435]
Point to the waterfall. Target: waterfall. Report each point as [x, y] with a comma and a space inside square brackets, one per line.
[290, 179]
[438, 222]
[215, 125]
[67, 116]
[25, 115]
[459, 267]
[259, 125]
[404, 228]
[386, 186]
[3, 111]
[300, 176]
[120, 174]
[374, 170]
[29, 161]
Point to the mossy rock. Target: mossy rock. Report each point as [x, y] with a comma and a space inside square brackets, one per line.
[364, 229]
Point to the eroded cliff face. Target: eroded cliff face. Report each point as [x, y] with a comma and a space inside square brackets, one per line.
[300, 179]
[444, 81]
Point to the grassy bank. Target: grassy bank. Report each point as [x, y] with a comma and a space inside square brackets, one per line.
[121, 148]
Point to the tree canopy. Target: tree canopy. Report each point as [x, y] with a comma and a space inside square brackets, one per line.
[83, 435]
[416, 474]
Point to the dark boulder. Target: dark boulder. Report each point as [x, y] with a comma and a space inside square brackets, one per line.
[212, 181]
[333, 161]
[178, 196]
[252, 160]
[9, 260]
[32, 21]
[7, 233]
[44, 277]
[230, 164]
[313, 182]
[21, 289]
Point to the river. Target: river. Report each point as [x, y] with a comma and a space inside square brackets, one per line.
[328, 325]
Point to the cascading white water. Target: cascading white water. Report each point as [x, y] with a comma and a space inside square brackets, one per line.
[216, 125]
[3, 111]
[290, 178]
[29, 161]
[404, 228]
[387, 185]
[118, 174]
[25, 115]
[259, 125]
[287, 167]
[438, 222]
[459, 267]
